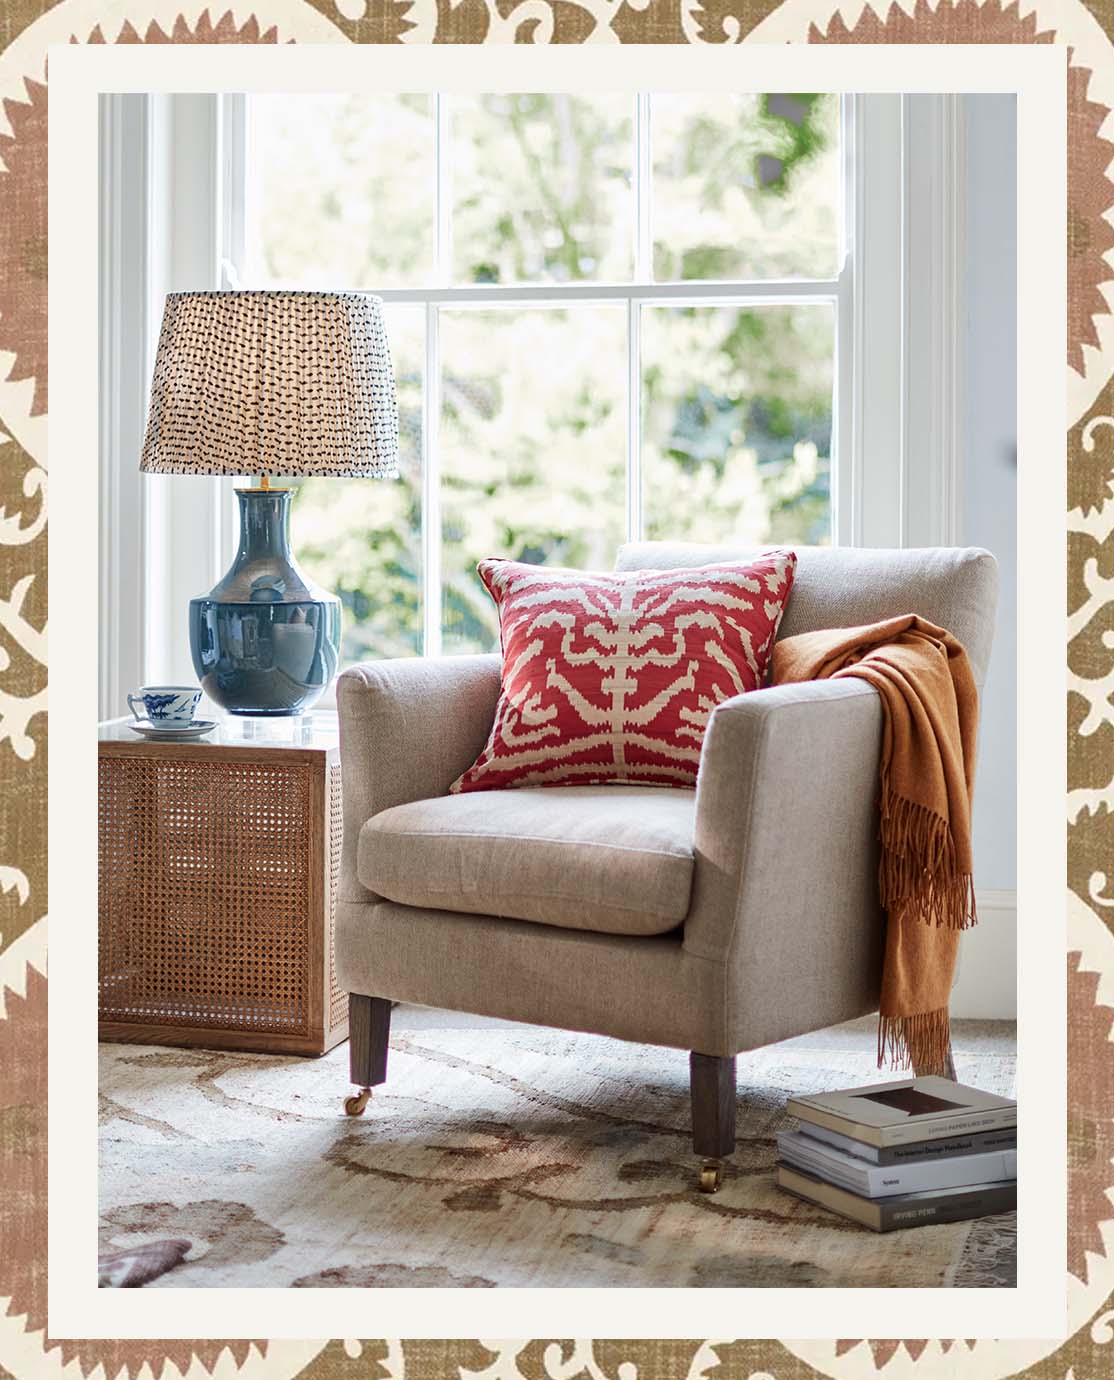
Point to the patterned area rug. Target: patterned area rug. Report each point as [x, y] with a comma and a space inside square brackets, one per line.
[496, 1155]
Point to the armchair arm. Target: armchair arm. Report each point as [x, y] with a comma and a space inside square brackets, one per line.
[408, 728]
[785, 890]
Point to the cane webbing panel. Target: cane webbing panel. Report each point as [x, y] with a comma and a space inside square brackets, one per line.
[337, 996]
[205, 893]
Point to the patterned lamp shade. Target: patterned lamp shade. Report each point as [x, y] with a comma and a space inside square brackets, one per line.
[286, 383]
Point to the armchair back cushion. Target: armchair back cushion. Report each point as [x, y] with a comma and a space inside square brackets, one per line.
[843, 587]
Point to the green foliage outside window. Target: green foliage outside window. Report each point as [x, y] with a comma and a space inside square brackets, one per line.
[736, 402]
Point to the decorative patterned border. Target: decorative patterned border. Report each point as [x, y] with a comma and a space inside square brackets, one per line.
[26, 29]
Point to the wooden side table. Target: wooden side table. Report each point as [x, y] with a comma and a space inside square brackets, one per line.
[219, 861]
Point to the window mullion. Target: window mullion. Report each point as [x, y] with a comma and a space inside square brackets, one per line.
[443, 230]
[432, 598]
[693, 292]
[642, 272]
[431, 485]
[847, 377]
[643, 248]
[634, 420]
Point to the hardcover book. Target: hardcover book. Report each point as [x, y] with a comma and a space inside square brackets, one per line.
[912, 1109]
[903, 1209]
[885, 1180]
[974, 1144]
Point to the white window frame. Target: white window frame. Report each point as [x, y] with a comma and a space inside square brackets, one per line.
[641, 291]
[172, 168]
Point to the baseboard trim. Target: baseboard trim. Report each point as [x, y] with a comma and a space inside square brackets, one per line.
[995, 900]
[986, 982]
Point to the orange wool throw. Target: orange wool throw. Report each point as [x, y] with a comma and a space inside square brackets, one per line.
[930, 706]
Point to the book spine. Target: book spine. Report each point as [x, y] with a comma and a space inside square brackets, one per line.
[980, 1202]
[1005, 1139]
[905, 1133]
[884, 1180]
[953, 1126]
[814, 1116]
[980, 1143]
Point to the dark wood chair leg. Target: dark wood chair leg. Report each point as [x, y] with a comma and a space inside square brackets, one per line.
[369, 1030]
[712, 1082]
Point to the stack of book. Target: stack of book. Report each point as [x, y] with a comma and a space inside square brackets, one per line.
[903, 1154]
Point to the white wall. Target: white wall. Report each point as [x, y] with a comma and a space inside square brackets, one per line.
[989, 370]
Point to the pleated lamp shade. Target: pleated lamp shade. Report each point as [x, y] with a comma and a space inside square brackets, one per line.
[285, 383]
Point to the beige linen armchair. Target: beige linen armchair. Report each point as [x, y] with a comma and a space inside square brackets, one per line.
[716, 920]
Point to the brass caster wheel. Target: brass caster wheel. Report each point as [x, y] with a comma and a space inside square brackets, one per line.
[711, 1176]
[356, 1105]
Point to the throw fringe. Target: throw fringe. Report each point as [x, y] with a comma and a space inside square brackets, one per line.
[917, 871]
[919, 1042]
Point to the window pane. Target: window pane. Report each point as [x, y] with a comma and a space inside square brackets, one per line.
[541, 188]
[533, 450]
[362, 538]
[341, 190]
[737, 423]
[745, 186]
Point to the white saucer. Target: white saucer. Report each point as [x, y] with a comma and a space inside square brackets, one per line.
[168, 729]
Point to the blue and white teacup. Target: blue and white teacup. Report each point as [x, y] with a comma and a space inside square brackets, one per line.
[175, 704]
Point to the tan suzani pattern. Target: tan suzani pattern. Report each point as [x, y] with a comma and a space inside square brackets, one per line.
[1090, 1118]
[225, 29]
[27, 27]
[883, 1352]
[23, 240]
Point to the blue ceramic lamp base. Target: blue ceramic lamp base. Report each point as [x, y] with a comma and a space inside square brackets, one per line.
[265, 639]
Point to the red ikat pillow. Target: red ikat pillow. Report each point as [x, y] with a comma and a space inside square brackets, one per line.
[612, 677]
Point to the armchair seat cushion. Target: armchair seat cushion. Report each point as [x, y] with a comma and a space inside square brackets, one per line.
[614, 859]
